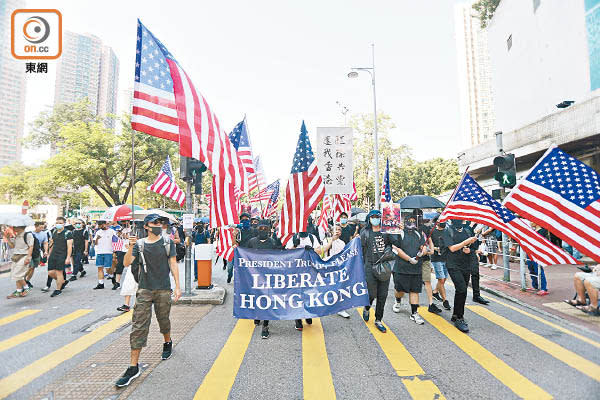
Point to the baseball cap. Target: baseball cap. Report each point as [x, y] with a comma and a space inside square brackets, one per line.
[151, 218]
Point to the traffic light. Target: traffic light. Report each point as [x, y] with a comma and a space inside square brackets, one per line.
[507, 171]
[189, 168]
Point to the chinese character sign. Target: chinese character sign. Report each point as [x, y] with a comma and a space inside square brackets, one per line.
[334, 157]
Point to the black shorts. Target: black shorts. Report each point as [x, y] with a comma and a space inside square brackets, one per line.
[120, 266]
[407, 283]
[56, 263]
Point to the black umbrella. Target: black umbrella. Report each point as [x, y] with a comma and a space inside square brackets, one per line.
[356, 210]
[420, 201]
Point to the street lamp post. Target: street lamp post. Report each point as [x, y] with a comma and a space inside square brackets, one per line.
[353, 74]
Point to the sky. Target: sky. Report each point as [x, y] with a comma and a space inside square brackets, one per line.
[281, 62]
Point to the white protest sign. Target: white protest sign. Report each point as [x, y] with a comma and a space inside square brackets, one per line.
[188, 222]
[334, 158]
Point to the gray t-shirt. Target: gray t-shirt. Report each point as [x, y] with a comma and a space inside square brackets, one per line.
[157, 265]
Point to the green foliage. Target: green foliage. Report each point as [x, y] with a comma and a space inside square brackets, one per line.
[431, 177]
[485, 10]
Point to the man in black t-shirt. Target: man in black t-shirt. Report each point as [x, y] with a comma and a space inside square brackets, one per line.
[438, 260]
[457, 241]
[81, 240]
[60, 256]
[348, 230]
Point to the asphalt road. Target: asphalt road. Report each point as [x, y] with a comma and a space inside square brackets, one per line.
[510, 352]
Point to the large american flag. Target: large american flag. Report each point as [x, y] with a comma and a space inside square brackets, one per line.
[265, 193]
[167, 105]
[273, 202]
[257, 179]
[340, 203]
[562, 194]
[225, 243]
[304, 191]
[165, 184]
[386, 193]
[241, 141]
[472, 203]
[222, 211]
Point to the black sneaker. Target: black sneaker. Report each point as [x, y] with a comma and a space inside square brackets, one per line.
[481, 300]
[73, 278]
[123, 308]
[265, 332]
[256, 322]
[82, 274]
[309, 321]
[128, 376]
[437, 296]
[461, 325]
[434, 309]
[366, 315]
[56, 293]
[116, 286]
[228, 279]
[446, 305]
[113, 280]
[99, 286]
[454, 318]
[29, 284]
[167, 350]
[65, 283]
[299, 325]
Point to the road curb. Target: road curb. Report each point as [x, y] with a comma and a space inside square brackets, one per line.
[215, 296]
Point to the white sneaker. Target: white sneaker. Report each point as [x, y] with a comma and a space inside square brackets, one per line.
[397, 307]
[494, 267]
[417, 318]
[344, 314]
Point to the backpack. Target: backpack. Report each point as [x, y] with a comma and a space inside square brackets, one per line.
[140, 243]
[36, 245]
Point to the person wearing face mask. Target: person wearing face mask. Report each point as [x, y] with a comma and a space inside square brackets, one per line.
[474, 258]
[408, 273]
[334, 246]
[81, 240]
[264, 241]
[103, 241]
[22, 246]
[374, 245]
[438, 260]
[348, 231]
[457, 240]
[60, 255]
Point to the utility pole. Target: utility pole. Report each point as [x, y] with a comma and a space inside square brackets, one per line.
[189, 205]
[505, 252]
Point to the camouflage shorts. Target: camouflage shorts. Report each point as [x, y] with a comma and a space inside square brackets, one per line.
[142, 314]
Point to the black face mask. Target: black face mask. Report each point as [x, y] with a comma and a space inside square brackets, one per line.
[263, 234]
[157, 230]
[303, 234]
[442, 225]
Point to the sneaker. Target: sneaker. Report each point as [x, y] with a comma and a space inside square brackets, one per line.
[256, 322]
[116, 286]
[65, 283]
[396, 307]
[46, 289]
[167, 350]
[366, 315]
[298, 324]
[481, 300]
[309, 321]
[417, 318]
[434, 309]
[437, 296]
[26, 290]
[265, 332]
[494, 267]
[99, 286]
[56, 293]
[461, 325]
[446, 305]
[14, 295]
[123, 308]
[380, 326]
[29, 284]
[543, 293]
[82, 274]
[454, 318]
[344, 314]
[73, 278]
[128, 376]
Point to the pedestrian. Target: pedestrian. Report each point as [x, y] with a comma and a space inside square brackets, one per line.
[334, 246]
[307, 241]
[59, 257]
[263, 241]
[427, 250]
[474, 259]
[22, 246]
[375, 245]
[120, 246]
[536, 271]
[457, 241]
[438, 260]
[151, 259]
[103, 242]
[245, 233]
[41, 239]
[81, 242]
[348, 230]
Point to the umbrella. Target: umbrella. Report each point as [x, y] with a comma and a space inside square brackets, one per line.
[118, 213]
[15, 219]
[142, 213]
[419, 201]
[357, 210]
[359, 217]
[205, 220]
[430, 215]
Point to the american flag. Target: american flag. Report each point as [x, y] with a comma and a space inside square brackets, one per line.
[222, 211]
[241, 141]
[167, 105]
[257, 179]
[304, 191]
[386, 193]
[353, 196]
[117, 243]
[325, 214]
[472, 203]
[225, 244]
[273, 202]
[341, 203]
[266, 192]
[562, 194]
[165, 184]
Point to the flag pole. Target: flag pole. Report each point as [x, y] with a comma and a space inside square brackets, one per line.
[132, 180]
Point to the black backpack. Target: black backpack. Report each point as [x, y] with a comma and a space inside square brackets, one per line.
[36, 245]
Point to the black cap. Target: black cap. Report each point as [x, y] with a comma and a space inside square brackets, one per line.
[151, 218]
[264, 222]
[244, 214]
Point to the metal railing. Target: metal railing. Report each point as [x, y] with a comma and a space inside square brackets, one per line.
[5, 252]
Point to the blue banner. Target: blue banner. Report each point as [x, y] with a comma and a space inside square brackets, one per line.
[297, 284]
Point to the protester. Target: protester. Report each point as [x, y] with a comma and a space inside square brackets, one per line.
[245, 234]
[36, 258]
[265, 242]
[81, 241]
[375, 244]
[458, 262]
[120, 246]
[22, 246]
[438, 260]
[60, 256]
[536, 271]
[474, 259]
[308, 241]
[348, 230]
[334, 246]
[104, 251]
[151, 260]
[427, 250]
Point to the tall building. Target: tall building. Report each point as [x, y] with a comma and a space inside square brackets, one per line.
[12, 90]
[474, 77]
[87, 69]
[128, 100]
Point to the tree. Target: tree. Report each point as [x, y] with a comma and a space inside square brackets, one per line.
[432, 177]
[485, 11]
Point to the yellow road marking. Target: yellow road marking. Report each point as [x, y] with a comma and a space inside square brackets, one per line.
[403, 362]
[219, 380]
[316, 372]
[560, 353]
[22, 377]
[19, 315]
[40, 330]
[516, 382]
